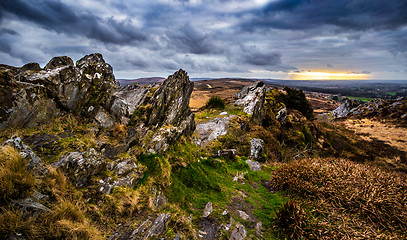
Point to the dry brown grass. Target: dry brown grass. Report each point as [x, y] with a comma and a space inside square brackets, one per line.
[15, 181]
[346, 200]
[384, 131]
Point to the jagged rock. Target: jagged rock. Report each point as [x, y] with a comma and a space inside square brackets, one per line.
[227, 153]
[256, 149]
[282, 115]
[81, 166]
[30, 205]
[238, 233]
[254, 165]
[344, 109]
[163, 113]
[252, 99]
[122, 166]
[158, 226]
[243, 215]
[211, 130]
[34, 162]
[33, 96]
[208, 210]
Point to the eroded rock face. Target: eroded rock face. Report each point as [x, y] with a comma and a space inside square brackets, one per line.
[31, 95]
[161, 114]
[345, 109]
[209, 131]
[81, 166]
[252, 99]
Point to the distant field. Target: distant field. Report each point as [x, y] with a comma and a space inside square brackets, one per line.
[364, 99]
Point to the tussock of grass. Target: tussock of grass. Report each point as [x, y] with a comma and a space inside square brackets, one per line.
[345, 194]
[15, 181]
[215, 102]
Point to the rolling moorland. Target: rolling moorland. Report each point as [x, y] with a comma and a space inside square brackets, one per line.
[84, 158]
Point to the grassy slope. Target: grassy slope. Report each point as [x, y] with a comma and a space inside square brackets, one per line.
[314, 195]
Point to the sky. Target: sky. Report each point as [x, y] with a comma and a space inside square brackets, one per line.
[280, 39]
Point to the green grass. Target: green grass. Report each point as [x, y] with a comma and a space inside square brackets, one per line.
[364, 99]
[210, 180]
[392, 93]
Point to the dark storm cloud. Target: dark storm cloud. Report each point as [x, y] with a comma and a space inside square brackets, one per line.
[61, 18]
[345, 14]
[259, 58]
[190, 40]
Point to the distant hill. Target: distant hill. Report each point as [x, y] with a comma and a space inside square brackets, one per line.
[141, 81]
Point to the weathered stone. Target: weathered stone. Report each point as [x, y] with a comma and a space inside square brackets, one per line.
[238, 233]
[252, 99]
[208, 210]
[243, 215]
[57, 62]
[211, 130]
[104, 119]
[281, 115]
[259, 229]
[158, 226]
[29, 204]
[256, 149]
[81, 166]
[227, 153]
[345, 109]
[33, 96]
[34, 162]
[254, 165]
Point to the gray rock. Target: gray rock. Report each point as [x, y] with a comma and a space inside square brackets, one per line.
[243, 215]
[208, 209]
[259, 229]
[158, 226]
[211, 130]
[104, 119]
[29, 204]
[238, 233]
[32, 97]
[254, 165]
[281, 115]
[34, 162]
[252, 99]
[81, 166]
[256, 149]
[344, 109]
[227, 153]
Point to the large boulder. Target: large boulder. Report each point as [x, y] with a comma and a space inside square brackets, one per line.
[345, 109]
[252, 98]
[31, 95]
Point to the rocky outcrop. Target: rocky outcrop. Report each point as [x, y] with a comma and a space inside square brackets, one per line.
[208, 209]
[344, 109]
[31, 96]
[163, 113]
[81, 166]
[252, 98]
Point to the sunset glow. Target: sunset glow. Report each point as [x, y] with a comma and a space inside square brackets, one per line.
[328, 76]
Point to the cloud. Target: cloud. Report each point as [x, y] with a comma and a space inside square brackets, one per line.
[62, 18]
[346, 14]
[188, 39]
[329, 65]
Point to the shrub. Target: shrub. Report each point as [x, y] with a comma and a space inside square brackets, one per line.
[215, 102]
[296, 99]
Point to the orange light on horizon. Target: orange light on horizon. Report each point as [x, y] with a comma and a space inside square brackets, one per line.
[328, 76]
